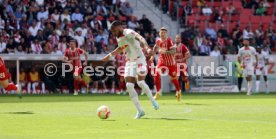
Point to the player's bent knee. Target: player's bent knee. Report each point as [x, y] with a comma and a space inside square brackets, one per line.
[141, 83]
[129, 86]
[130, 89]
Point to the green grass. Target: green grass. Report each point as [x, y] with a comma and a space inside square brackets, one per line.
[199, 116]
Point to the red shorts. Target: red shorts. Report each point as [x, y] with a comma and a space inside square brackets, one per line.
[172, 70]
[77, 71]
[4, 74]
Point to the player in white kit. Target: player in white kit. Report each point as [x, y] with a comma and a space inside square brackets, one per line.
[132, 43]
[247, 54]
[261, 68]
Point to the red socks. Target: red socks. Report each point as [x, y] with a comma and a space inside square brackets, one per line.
[176, 84]
[11, 87]
[157, 81]
[122, 85]
[83, 83]
[76, 84]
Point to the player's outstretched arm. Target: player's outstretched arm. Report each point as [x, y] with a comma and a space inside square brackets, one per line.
[113, 53]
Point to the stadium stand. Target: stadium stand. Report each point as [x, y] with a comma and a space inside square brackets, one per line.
[238, 16]
[51, 21]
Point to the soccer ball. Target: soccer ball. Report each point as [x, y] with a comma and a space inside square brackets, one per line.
[103, 112]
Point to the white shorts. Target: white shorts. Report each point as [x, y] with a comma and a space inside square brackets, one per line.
[248, 71]
[134, 67]
[262, 71]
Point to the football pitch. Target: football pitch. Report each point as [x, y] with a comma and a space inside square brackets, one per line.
[200, 116]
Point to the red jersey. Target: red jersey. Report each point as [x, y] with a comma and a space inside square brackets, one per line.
[74, 56]
[120, 59]
[166, 59]
[181, 51]
[4, 74]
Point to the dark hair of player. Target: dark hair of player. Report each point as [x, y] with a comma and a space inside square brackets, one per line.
[115, 24]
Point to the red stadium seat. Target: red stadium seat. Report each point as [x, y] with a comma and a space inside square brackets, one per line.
[111, 18]
[180, 12]
[265, 26]
[202, 17]
[235, 18]
[212, 25]
[201, 25]
[254, 26]
[123, 18]
[243, 25]
[255, 19]
[244, 19]
[171, 4]
[191, 19]
[184, 3]
[194, 3]
[208, 3]
[231, 27]
[237, 4]
[99, 18]
[163, 2]
[217, 4]
[239, 10]
[246, 12]
[270, 11]
[266, 19]
[196, 11]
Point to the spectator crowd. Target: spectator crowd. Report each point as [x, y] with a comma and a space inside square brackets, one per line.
[213, 33]
[44, 26]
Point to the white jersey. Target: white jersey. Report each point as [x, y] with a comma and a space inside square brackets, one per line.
[130, 45]
[262, 58]
[247, 55]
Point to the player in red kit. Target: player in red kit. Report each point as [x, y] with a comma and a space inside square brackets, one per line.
[4, 77]
[166, 60]
[120, 63]
[72, 56]
[181, 57]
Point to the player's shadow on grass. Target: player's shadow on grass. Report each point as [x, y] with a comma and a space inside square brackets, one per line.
[194, 104]
[20, 112]
[109, 120]
[169, 119]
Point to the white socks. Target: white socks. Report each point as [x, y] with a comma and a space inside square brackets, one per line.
[145, 88]
[133, 95]
[266, 84]
[249, 87]
[257, 86]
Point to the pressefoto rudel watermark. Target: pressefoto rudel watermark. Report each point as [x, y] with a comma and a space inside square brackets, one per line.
[50, 69]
